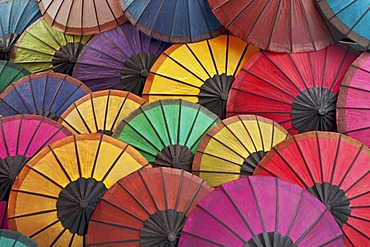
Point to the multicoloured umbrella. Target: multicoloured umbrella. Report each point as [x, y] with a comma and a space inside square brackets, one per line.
[233, 148]
[100, 111]
[204, 74]
[58, 189]
[15, 17]
[10, 72]
[48, 94]
[280, 26]
[298, 91]
[82, 17]
[354, 102]
[261, 211]
[16, 239]
[21, 137]
[173, 21]
[167, 132]
[349, 17]
[118, 59]
[42, 48]
[146, 208]
[332, 167]
[3, 215]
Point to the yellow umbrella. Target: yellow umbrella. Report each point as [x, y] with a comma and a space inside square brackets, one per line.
[42, 48]
[100, 111]
[201, 72]
[56, 192]
[233, 148]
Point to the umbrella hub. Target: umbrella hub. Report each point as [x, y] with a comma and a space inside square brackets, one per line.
[144, 73]
[176, 156]
[251, 162]
[65, 58]
[270, 239]
[314, 109]
[77, 201]
[215, 92]
[6, 44]
[172, 237]
[334, 199]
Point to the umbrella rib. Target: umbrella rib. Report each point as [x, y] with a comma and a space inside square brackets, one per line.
[237, 14]
[120, 110]
[257, 19]
[357, 196]
[176, 80]
[32, 214]
[202, 238]
[96, 157]
[179, 190]
[198, 60]
[123, 33]
[358, 68]
[358, 231]
[4, 138]
[193, 197]
[320, 159]
[210, 126]
[351, 165]
[358, 20]
[22, 13]
[204, 15]
[356, 182]
[10, 14]
[331, 240]
[257, 204]
[353, 108]
[147, 189]
[227, 55]
[228, 147]
[122, 209]
[192, 125]
[106, 111]
[240, 64]
[19, 135]
[309, 26]
[335, 159]
[119, 60]
[179, 122]
[52, 36]
[311, 227]
[152, 126]
[60, 165]
[212, 57]
[33, 98]
[173, 16]
[20, 96]
[298, 71]
[260, 132]
[77, 156]
[10, 106]
[355, 88]
[324, 69]
[115, 225]
[273, 26]
[311, 68]
[165, 121]
[69, 96]
[94, 114]
[35, 194]
[55, 93]
[69, 14]
[58, 237]
[339, 70]
[249, 134]
[295, 213]
[43, 229]
[114, 162]
[82, 119]
[236, 137]
[33, 136]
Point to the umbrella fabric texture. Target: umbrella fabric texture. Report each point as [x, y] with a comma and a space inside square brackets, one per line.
[354, 102]
[58, 189]
[279, 26]
[3, 216]
[82, 17]
[167, 132]
[298, 91]
[100, 111]
[332, 167]
[204, 74]
[118, 59]
[233, 148]
[21, 137]
[15, 17]
[48, 94]
[349, 17]
[147, 208]
[42, 48]
[173, 21]
[261, 211]
[15, 239]
[10, 72]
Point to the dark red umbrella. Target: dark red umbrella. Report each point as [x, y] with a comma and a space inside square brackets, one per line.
[332, 167]
[298, 91]
[280, 25]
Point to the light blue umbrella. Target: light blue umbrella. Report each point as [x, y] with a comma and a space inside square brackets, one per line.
[15, 239]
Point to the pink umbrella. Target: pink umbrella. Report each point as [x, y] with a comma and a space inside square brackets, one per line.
[260, 211]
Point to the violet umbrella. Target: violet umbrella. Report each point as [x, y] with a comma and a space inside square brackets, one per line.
[118, 59]
[261, 211]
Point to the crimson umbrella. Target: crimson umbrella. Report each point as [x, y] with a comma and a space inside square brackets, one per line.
[260, 211]
[354, 102]
[332, 167]
[298, 91]
[118, 59]
[147, 208]
[280, 25]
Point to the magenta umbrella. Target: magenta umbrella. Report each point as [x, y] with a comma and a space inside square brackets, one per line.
[118, 59]
[3, 218]
[260, 211]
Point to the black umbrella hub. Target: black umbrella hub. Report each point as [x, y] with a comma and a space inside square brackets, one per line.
[250, 163]
[6, 44]
[175, 156]
[65, 58]
[270, 239]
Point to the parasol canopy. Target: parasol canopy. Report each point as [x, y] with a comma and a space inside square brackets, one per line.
[15, 17]
[48, 94]
[167, 132]
[298, 91]
[173, 21]
[42, 48]
[16, 239]
[280, 26]
[332, 167]
[82, 17]
[354, 102]
[21, 137]
[100, 111]
[10, 72]
[204, 74]
[58, 189]
[118, 59]
[3, 215]
[261, 211]
[233, 148]
[146, 208]
[349, 17]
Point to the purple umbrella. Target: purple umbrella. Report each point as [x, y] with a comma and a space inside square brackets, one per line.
[3, 218]
[260, 211]
[118, 59]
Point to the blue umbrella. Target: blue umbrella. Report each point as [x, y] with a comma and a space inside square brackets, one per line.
[48, 94]
[352, 18]
[173, 21]
[15, 17]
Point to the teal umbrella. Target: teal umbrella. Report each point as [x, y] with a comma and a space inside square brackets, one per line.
[15, 239]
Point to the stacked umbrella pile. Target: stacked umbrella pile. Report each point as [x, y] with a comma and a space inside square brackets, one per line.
[190, 123]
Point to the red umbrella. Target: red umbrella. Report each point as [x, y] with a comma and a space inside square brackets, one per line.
[335, 169]
[280, 25]
[298, 91]
[354, 102]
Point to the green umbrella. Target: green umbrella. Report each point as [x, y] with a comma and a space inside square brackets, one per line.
[10, 72]
[167, 132]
